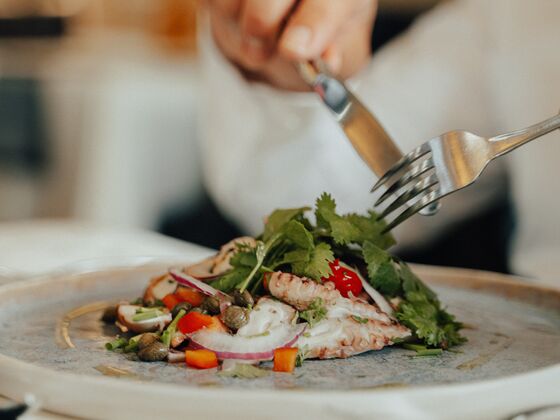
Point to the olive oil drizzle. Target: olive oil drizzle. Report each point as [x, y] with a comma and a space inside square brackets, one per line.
[63, 339]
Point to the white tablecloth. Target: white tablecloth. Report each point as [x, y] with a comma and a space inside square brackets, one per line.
[31, 248]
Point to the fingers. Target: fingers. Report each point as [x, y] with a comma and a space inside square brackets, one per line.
[228, 8]
[226, 33]
[265, 37]
[315, 24]
[260, 26]
[333, 58]
[262, 18]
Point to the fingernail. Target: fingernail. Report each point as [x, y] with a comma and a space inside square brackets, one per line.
[334, 62]
[297, 39]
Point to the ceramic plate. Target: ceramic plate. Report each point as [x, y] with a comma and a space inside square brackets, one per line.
[52, 345]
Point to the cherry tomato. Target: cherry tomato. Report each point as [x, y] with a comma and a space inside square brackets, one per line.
[345, 280]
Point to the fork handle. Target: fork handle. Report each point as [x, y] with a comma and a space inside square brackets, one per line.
[505, 143]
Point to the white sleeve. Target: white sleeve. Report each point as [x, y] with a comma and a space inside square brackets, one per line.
[265, 149]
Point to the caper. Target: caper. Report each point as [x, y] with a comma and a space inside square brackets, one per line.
[198, 309]
[146, 340]
[235, 317]
[243, 299]
[186, 306]
[211, 305]
[109, 314]
[154, 352]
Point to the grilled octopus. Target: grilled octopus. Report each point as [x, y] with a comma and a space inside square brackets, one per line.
[351, 326]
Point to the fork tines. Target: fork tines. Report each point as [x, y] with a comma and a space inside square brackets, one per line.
[412, 180]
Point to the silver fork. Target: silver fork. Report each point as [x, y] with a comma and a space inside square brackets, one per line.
[446, 164]
[360, 126]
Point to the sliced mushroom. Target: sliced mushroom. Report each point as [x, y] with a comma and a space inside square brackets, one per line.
[202, 270]
[159, 287]
[177, 339]
[219, 263]
[126, 313]
[175, 356]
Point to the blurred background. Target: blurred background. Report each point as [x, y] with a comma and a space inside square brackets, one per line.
[98, 112]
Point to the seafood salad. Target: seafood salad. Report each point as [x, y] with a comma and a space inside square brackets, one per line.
[312, 286]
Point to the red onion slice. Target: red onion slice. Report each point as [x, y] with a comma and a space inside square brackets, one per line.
[375, 295]
[196, 284]
[227, 346]
[202, 270]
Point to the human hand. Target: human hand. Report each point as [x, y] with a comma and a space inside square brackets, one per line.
[265, 37]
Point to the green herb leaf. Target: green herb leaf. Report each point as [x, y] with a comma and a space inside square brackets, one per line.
[325, 204]
[422, 350]
[302, 354]
[317, 263]
[315, 312]
[415, 347]
[132, 345]
[245, 371]
[369, 228]
[429, 352]
[351, 228]
[296, 256]
[340, 229]
[246, 258]
[360, 319]
[298, 234]
[145, 315]
[382, 272]
[117, 343]
[279, 218]
[428, 321]
[411, 283]
[260, 253]
[172, 328]
[231, 279]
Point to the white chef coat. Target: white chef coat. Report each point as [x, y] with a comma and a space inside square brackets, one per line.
[486, 66]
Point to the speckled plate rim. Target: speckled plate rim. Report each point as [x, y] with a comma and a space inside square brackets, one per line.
[94, 397]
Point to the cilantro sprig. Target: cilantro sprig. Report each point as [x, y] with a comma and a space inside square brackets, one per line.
[292, 243]
[315, 312]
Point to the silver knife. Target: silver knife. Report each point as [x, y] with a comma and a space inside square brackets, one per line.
[365, 132]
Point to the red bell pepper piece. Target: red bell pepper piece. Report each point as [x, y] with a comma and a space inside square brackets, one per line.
[201, 359]
[191, 296]
[170, 301]
[194, 321]
[285, 359]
